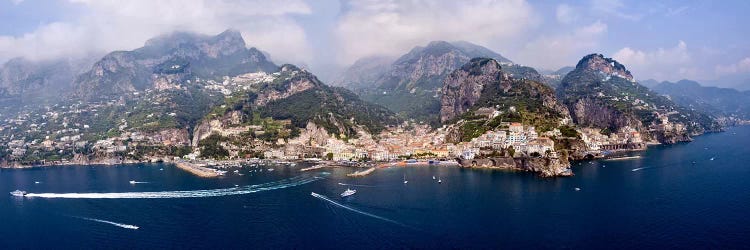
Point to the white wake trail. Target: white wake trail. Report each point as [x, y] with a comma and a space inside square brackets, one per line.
[291, 182]
[354, 185]
[323, 197]
[126, 226]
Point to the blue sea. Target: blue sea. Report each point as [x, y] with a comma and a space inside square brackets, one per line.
[692, 195]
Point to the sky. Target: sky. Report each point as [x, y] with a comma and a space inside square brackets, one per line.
[663, 40]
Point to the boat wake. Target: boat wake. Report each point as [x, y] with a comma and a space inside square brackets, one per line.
[126, 226]
[639, 169]
[285, 183]
[354, 185]
[323, 197]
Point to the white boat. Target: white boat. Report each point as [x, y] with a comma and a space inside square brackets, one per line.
[270, 169]
[18, 193]
[132, 182]
[433, 177]
[348, 192]
[712, 158]
[578, 189]
[440, 180]
[405, 181]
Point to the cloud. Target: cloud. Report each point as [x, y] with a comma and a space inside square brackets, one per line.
[613, 8]
[555, 51]
[393, 27]
[742, 66]
[565, 14]
[122, 25]
[663, 63]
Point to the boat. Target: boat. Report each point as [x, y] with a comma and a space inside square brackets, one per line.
[433, 177]
[440, 180]
[18, 193]
[405, 181]
[712, 158]
[578, 189]
[348, 192]
[132, 182]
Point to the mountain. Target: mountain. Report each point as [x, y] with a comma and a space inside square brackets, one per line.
[410, 85]
[482, 84]
[713, 100]
[171, 60]
[297, 96]
[553, 78]
[364, 72]
[24, 81]
[649, 83]
[602, 93]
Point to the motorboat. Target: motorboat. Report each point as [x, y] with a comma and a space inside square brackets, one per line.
[132, 182]
[18, 193]
[348, 192]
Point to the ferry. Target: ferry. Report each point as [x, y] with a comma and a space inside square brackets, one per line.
[348, 192]
[18, 193]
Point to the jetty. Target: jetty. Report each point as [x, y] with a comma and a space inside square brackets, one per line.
[197, 170]
[319, 166]
[362, 173]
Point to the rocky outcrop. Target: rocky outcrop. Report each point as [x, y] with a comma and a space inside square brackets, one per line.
[608, 66]
[462, 88]
[545, 167]
[483, 82]
[294, 80]
[589, 112]
[217, 125]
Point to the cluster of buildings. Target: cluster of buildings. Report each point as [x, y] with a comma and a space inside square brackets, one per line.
[595, 140]
[523, 141]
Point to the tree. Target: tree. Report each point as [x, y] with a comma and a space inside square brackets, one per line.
[329, 156]
[511, 151]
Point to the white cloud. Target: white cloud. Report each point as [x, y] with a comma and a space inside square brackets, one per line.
[555, 51]
[121, 25]
[565, 14]
[663, 63]
[392, 27]
[743, 66]
[16, 2]
[613, 8]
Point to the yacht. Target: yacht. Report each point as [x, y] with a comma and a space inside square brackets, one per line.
[405, 181]
[433, 177]
[18, 193]
[348, 192]
[440, 180]
[132, 182]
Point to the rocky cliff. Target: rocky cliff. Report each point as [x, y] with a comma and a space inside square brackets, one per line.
[601, 93]
[462, 88]
[410, 85]
[483, 83]
[184, 54]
